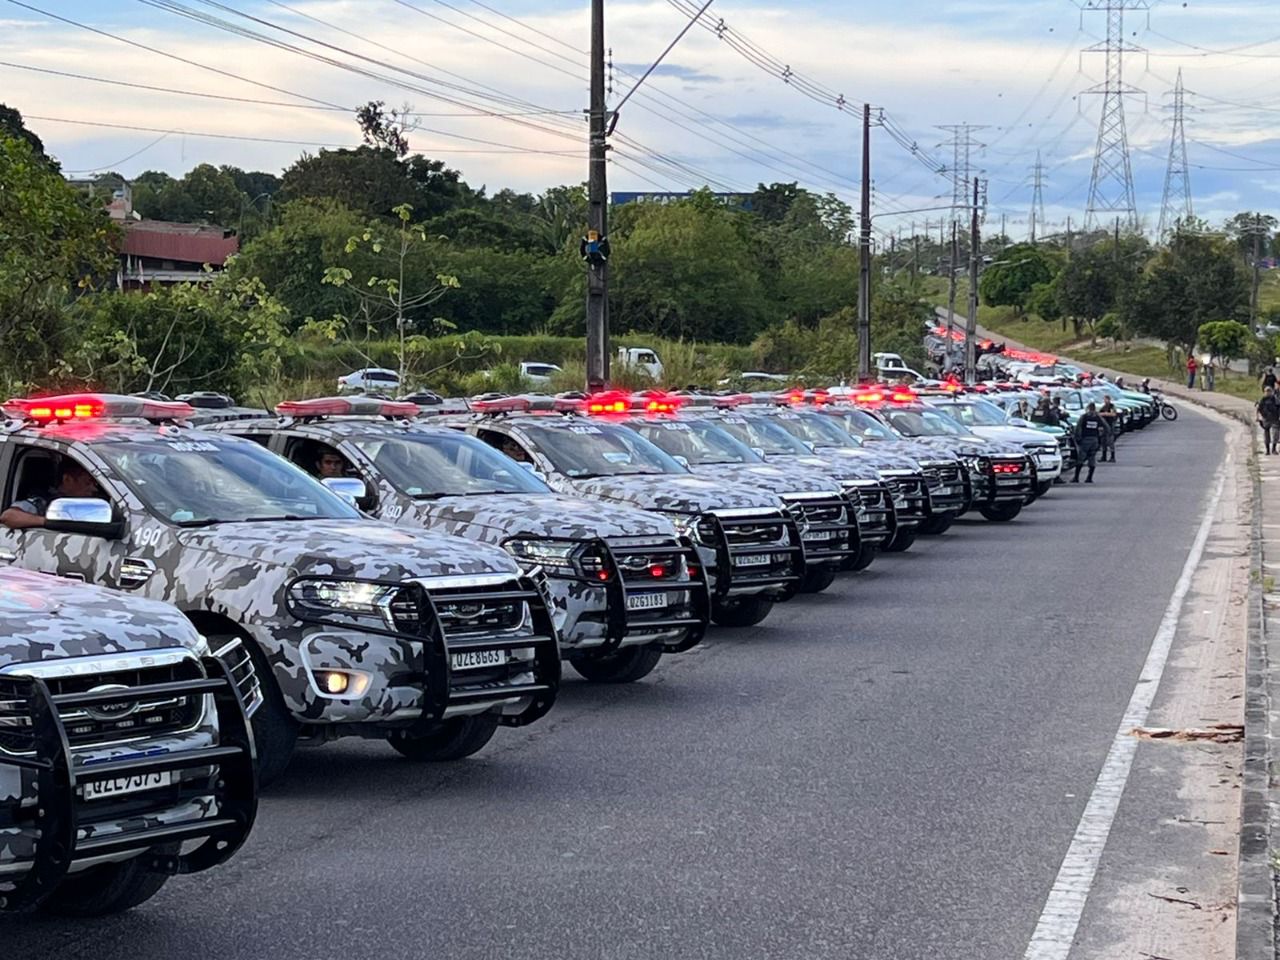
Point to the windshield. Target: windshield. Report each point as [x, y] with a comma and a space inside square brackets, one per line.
[582, 451]
[700, 442]
[816, 429]
[922, 423]
[973, 414]
[195, 482]
[430, 466]
[861, 424]
[761, 433]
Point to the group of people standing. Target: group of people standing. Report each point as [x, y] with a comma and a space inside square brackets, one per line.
[1207, 370]
[1095, 432]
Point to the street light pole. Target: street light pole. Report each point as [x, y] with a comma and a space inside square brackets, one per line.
[864, 254]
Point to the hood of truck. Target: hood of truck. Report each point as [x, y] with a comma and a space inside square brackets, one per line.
[677, 493]
[48, 618]
[771, 477]
[496, 517]
[361, 549]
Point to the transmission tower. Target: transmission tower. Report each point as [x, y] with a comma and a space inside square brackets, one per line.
[1176, 204]
[1037, 198]
[1111, 187]
[962, 173]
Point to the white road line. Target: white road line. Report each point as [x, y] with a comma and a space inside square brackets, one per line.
[1056, 929]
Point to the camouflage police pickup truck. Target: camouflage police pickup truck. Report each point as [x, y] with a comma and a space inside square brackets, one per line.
[122, 738]
[355, 627]
[622, 585]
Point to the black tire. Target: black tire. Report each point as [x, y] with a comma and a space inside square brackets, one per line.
[817, 579]
[450, 740]
[866, 556]
[936, 526]
[1043, 487]
[902, 540]
[1168, 412]
[620, 666]
[275, 731]
[1001, 512]
[741, 611]
[107, 889]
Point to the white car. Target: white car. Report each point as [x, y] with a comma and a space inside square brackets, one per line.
[371, 380]
[539, 373]
[984, 419]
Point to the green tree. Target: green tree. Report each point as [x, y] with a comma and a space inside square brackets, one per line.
[227, 335]
[1224, 339]
[373, 181]
[1043, 302]
[1098, 279]
[54, 245]
[1009, 281]
[12, 125]
[1197, 279]
[389, 296]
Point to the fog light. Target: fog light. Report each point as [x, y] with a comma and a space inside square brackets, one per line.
[333, 683]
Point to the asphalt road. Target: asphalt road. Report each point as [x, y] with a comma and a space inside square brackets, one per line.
[893, 769]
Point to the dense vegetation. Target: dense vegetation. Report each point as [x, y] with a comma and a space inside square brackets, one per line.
[376, 256]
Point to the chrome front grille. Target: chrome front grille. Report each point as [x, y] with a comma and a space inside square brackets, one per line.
[106, 723]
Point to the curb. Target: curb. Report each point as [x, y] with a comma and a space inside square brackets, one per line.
[1256, 891]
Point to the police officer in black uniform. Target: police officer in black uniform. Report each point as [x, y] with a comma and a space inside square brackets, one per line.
[1091, 434]
[1269, 419]
[1110, 414]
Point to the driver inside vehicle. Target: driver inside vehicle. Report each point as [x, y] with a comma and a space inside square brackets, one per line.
[73, 481]
[514, 450]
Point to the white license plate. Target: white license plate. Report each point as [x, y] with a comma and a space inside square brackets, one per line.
[1046, 460]
[1011, 482]
[647, 601]
[478, 659]
[753, 560]
[120, 786]
[820, 535]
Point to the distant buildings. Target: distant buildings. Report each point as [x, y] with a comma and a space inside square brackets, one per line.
[159, 252]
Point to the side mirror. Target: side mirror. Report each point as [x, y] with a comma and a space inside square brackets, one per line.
[758, 451]
[533, 468]
[350, 489]
[84, 515]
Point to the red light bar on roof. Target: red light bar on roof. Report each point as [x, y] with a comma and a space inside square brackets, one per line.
[732, 401]
[657, 402]
[610, 401]
[902, 395]
[869, 396]
[789, 398]
[569, 405]
[96, 406]
[501, 405]
[347, 407]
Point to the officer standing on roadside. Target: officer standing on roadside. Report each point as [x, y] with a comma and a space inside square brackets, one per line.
[1269, 419]
[1110, 414]
[1091, 433]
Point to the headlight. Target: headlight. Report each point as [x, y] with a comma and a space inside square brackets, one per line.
[555, 557]
[976, 464]
[355, 600]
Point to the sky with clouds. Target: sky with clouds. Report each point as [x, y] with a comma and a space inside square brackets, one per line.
[499, 88]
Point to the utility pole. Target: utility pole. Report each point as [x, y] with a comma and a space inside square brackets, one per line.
[864, 250]
[1257, 269]
[951, 286]
[971, 328]
[915, 257]
[1069, 238]
[597, 213]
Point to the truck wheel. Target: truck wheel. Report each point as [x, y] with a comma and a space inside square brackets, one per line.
[817, 579]
[449, 740]
[902, 540]
[937, 525]
[1043, 487]
[621, 666]
[275, 731]
[110, 888]
[866, 556]
[1001, 512]
[741, 612]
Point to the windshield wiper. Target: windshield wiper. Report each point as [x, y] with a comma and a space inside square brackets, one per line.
[275, 519]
